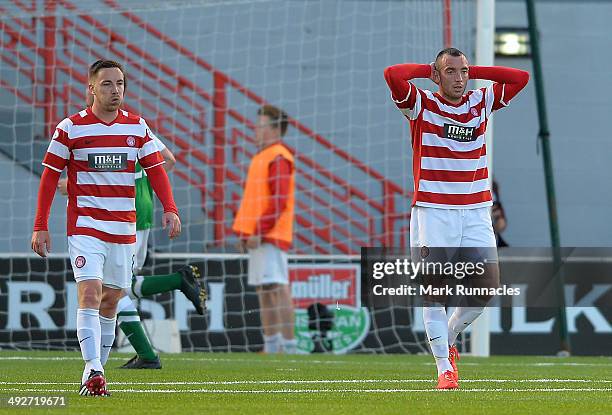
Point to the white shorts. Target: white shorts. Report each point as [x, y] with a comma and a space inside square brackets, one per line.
[142, 239]
[456, 228]
[268, 264]
[92, 258]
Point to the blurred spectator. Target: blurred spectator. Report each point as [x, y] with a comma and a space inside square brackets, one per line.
[498, 216]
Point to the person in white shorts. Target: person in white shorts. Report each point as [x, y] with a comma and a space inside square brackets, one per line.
[185, 279]
[452, 196]
[100, 146]
[264, 223]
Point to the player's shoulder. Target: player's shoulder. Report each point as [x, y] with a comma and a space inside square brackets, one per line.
[134, 122]
[476, 93]
[153, 136]
[135, 119]
[80, 118]
[131, 118]
[65, 125]
[427, 93]
[433, 101]
[286, 152]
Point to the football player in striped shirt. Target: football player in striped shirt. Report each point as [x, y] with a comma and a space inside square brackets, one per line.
[185, 279]
[452, 197]
[100, 146]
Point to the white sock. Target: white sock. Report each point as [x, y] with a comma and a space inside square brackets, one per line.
[436, 327]
[461, 318]
[289, 346]
[107, 337]
[137, 285]
[88, 366]
[125, 303]
[88, 333]
[272, 343]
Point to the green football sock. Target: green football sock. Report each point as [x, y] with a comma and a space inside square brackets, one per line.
[157, 284]
[131, 326]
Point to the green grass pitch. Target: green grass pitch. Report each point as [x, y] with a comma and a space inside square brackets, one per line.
[241, 383]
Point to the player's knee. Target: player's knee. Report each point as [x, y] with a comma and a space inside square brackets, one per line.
[285, 291]
[90, 298]
[271, 292]
[108, 307]
[270, 288]
[435, 300]
[483, 299]
[110, 298]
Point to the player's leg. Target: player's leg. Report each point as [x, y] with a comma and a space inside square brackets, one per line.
[131, 326]
[129, 320]
[108, 319]
[140, 254]
[117, 270]
[470, 310]
[286, 315]
[89, 333]
[89, 293]
[117, 277]
[479, 246]
[268, 295]
[257, 270]
[186, 279]
[435, 320]
[87, 257]
[431, 229]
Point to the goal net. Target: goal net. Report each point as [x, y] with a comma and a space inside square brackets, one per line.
[197, 71]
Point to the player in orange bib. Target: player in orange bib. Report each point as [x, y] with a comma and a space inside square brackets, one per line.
[264, 223]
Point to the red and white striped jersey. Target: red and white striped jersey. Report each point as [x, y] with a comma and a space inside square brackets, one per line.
[101, 162]
[449, 153]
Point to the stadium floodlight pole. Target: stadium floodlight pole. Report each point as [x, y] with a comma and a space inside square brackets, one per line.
[544, 137]
[485, 36]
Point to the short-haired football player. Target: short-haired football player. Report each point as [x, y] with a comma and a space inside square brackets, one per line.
[100, 146]
[452, 197]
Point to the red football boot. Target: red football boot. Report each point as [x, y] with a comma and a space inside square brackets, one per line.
[447, 381]
[453, 356]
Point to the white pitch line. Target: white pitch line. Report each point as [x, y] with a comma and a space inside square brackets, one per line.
[306, 361]
[320, 381]
[259, 391]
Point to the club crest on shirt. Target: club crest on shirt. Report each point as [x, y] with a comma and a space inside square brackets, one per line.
[79, 261]
[131, 141]
[107, 161]
[474, 112]
[459, 133]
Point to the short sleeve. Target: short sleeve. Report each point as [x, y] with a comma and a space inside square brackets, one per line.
[149, 154]
[158, 142]
[58, 152]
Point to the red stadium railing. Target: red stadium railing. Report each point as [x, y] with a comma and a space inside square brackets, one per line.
[354, 218]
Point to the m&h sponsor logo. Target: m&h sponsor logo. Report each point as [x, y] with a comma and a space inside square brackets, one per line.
[107, 161]
[459, 133]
